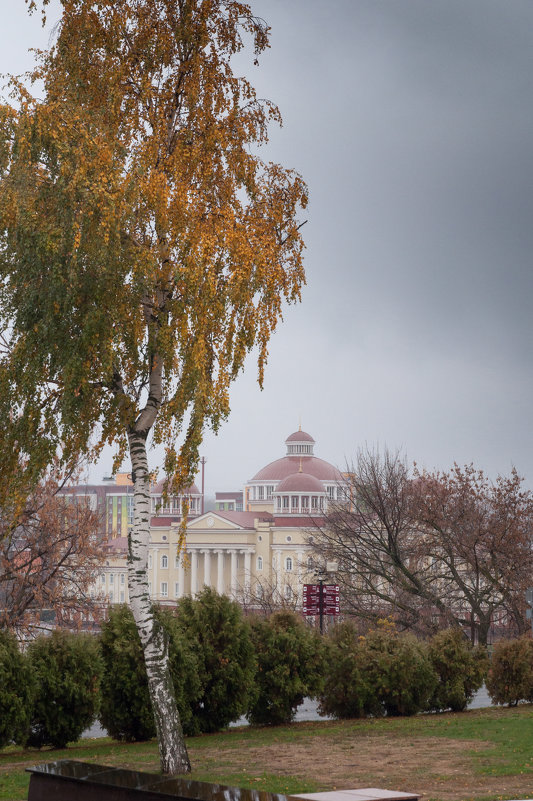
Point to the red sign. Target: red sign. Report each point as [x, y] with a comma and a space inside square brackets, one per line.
[330, 599]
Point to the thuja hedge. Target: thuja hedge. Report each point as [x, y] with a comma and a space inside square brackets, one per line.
[66, 669]
[510, 677]
[16, 692]
[387, 673]
[225, 666]
[290, 666]
[126, 712]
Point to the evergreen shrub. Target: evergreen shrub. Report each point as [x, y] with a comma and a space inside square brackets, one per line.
[460, 668]
[380, 673]
[347, 693]
[290, 666]
[16, 692]
[126, 711]
[220, 638]
[510, 676]
[66, 669]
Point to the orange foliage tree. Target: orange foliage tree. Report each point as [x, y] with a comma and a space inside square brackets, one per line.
[49, 558]
[145, 249]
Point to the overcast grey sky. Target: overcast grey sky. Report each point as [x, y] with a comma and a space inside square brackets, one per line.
[412, 122]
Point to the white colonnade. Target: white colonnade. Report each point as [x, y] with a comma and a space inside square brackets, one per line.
[238, 579]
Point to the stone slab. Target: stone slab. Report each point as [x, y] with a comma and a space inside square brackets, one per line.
[360, 794]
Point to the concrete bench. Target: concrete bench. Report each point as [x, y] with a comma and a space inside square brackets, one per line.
[70, 780]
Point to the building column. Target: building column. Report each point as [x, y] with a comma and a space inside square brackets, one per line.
[155, 557]
[299, 585]
[247, 572]
[220, 572]
[233, 574]
[207, 568]
[194, 573]
[181, 577]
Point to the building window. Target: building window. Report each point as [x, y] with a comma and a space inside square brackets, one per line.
[110, 596]
[288, 564]
[331, 493]
[288, 592]
[122, 596]
[260, 591]
[177, 589]
[150, 588]
[261, 493]
[122, 578]
[164, 561]
[177, 560]
[111, 578]
[164, 589]
[294, 502]
[305, 501]
[270, 490]
[278, 503]
[259, 562]
[149, 560]
[102, 579]
[314, 502]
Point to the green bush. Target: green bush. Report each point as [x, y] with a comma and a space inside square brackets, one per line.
[510, 676]
[290, 666]
[67, 669]
[347, 693]
[380, 673]
[16, 692]
[460, 668]
[126, 711]
[398, 665]
[220, 638]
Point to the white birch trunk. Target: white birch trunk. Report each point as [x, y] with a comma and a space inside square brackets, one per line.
[172, 750]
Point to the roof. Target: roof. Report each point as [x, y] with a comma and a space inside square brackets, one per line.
[287, 465]
[298, 521]
[300, 482]
[157, 489]
[117, 544]
[300, 436]
[243, 519]
[228, 496]
[163, 522]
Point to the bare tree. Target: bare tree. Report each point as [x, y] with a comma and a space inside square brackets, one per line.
[49, 555]
[270, 594]
[430, 550]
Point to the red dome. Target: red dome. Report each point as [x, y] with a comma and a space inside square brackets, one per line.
[286, 466]
[300, 482]
[300, 436]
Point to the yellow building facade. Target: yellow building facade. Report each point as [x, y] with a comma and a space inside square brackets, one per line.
[258, 556]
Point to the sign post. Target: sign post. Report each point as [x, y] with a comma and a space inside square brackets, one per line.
[321, 599]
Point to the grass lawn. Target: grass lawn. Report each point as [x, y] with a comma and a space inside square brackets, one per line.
[479, 755]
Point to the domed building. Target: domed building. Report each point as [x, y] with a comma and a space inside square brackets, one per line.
[273, 488]
[260, 556]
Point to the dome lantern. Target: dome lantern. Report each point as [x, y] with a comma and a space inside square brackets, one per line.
[300, 444]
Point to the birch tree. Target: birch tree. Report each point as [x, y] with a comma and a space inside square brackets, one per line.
[146, 249]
